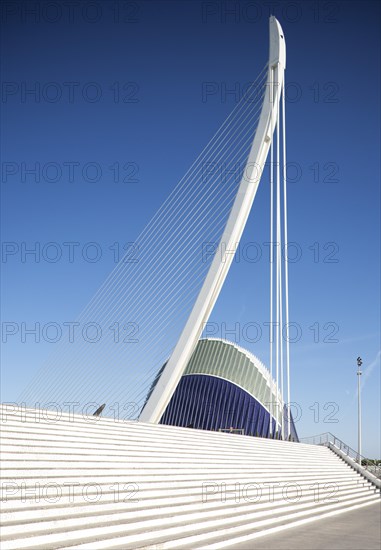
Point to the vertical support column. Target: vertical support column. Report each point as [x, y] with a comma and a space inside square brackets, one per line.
[286, 258]
[278, 341]
[271, 334]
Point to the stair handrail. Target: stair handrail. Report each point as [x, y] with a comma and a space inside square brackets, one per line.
[329, 438]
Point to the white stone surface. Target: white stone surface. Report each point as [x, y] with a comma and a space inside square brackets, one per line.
[78, 482]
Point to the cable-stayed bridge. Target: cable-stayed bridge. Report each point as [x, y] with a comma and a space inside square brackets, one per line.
[153, 307]
[81, 481]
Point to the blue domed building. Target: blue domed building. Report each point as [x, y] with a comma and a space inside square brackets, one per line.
[224, 388]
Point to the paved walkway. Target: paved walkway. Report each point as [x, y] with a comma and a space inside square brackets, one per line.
[356, 530]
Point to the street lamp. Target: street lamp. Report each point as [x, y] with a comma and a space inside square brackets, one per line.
[359, 373]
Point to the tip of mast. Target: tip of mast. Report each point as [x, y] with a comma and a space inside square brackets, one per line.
[275, 23]
[277, 42]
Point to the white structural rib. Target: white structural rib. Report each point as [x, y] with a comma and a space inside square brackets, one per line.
[166, 385]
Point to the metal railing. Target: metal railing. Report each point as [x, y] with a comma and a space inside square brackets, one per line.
[329, 439]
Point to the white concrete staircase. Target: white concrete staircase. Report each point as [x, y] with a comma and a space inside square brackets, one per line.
[94, 483]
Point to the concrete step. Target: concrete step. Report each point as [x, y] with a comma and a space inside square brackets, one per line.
[42, 478]
[75, 492]
[136, 520]
[181, 502]
[135, 440]
[227, 537]
[93, 432]
[171, 533]
[105, 484]
[166, 458]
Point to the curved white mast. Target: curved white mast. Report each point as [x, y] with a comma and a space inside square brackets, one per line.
[167, 383]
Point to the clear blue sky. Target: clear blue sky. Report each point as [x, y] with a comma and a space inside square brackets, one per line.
[126, 89]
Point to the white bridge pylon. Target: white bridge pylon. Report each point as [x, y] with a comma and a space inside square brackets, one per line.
[207, 297]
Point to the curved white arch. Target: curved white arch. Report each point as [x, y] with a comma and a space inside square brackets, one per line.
[166, 385]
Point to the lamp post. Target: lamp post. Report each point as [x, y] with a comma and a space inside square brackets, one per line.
[359, 373]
